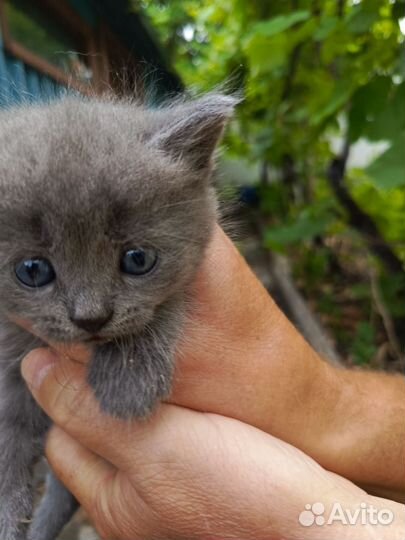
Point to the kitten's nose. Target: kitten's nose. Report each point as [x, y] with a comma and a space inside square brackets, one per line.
[93, 324]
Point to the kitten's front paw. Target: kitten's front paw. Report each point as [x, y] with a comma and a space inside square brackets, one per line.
[129, 381]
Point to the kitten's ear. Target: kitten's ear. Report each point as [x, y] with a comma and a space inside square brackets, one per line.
[196, 129]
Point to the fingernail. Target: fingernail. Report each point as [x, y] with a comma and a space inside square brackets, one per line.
[36, 365]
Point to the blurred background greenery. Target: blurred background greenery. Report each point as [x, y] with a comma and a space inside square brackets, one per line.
[316, 152]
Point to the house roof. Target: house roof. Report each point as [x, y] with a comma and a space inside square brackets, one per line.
[137, 37]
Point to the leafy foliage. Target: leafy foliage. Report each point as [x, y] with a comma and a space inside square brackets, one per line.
[313, 75]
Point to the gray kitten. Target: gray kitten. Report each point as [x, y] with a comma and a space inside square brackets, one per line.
[105, 210]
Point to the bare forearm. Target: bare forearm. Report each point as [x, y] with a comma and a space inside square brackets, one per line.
[352, 422]
[368, 435]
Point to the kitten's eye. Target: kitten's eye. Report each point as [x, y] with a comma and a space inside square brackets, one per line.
[138, 261]
[35, 272]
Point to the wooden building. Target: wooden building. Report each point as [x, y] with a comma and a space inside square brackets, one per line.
[47, 46]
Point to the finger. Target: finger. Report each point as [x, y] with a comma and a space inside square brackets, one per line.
[59, 386]
[84, 473]
[107, 494]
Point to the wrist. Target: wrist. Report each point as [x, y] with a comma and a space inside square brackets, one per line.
[366, 440]
[352, 422]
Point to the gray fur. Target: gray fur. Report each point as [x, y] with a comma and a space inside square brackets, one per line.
[80, 182]
[55, 509]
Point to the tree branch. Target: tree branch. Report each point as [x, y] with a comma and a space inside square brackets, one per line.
[358, 219]
[292, 69]
[340, 8]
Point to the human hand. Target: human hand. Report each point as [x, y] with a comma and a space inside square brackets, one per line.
[184, 474]
[241, 357]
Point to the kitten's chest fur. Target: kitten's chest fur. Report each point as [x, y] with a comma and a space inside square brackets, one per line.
[22, 410]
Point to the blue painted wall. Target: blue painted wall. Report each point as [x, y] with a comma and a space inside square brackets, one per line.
[19, 82]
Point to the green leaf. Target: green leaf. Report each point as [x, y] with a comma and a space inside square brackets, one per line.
[325, 28]
[389, 123]
[388, 171]
[362, 22]
[304, 228]
[367, 104]
[363, 16]
[279, 24]
[268, 44]
[266, 54]
[340, 96]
